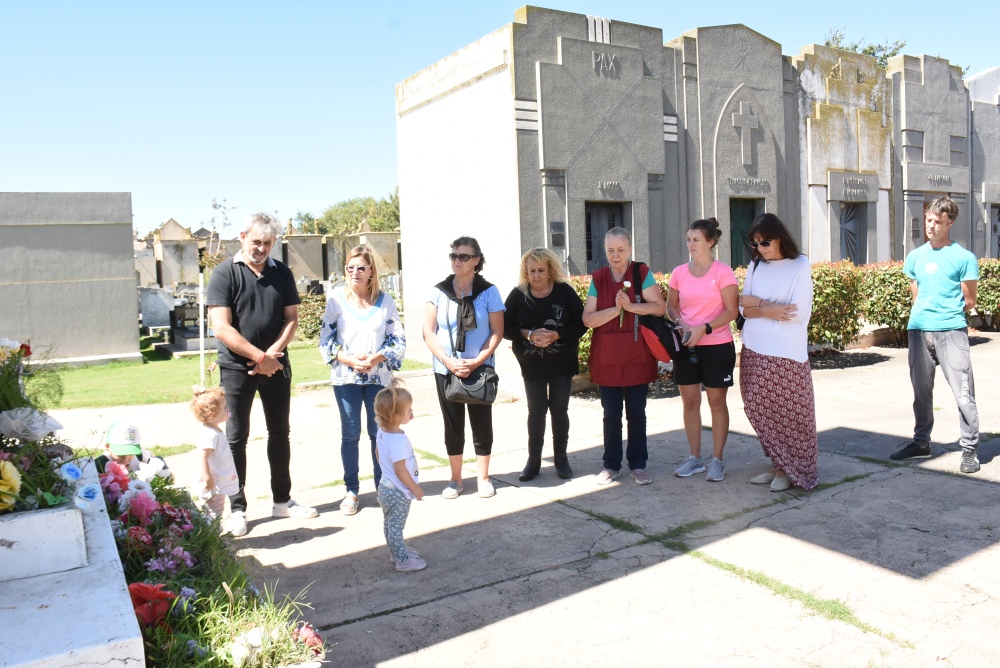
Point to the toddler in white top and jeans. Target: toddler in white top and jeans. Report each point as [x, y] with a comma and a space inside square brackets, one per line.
[398, 486]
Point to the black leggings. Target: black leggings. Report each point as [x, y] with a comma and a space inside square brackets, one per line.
[480, 419]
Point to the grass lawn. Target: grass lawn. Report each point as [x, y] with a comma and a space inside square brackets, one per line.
[159, 380]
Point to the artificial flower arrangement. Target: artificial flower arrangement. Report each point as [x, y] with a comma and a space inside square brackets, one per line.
[193, 600]
[37, 470]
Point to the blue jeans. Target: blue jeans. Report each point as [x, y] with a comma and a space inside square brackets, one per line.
[634, 398]
[349, 400]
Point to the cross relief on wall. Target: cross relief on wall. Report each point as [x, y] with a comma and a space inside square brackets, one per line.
[745, 121]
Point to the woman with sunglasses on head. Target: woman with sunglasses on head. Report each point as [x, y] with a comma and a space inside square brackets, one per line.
[775, 377]
[544, 319]
[703, 300]
[362, 340]
[463, 325]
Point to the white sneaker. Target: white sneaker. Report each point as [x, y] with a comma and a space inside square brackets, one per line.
[236, 524]
[486, 489]
[293, 510]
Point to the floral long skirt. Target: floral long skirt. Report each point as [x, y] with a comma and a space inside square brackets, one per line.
[779, 402]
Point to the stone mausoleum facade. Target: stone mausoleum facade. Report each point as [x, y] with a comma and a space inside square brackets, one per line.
[559, 126]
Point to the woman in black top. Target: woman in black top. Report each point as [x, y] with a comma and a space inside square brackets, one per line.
[544, 319]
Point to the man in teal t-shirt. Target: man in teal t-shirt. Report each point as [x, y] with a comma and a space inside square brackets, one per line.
[943, 280]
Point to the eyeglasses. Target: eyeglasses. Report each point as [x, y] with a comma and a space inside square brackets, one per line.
[762, 244]
[461, 258]
[359, 268]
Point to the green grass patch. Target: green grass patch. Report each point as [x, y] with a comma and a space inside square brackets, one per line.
[830, 608]
[431, 457]
[338, 483]
[168, 450]
[162, 380]
[602, 555]
[617, 523]
[851, 478]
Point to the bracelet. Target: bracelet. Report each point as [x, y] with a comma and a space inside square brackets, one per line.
[262, 356]
[530, 332]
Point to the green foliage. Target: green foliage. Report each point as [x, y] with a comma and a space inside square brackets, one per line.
[882, 51]
[837, 304]
[311, 316]
[346, 217]
[988, 295]
[212, 255]
[886, 293]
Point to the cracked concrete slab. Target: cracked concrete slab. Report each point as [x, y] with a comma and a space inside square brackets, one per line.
[641, 606]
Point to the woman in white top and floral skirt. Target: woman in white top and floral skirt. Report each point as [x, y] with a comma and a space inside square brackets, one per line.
[775, 377]
[362, 340]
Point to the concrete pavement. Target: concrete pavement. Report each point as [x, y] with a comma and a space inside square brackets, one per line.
[882, 565]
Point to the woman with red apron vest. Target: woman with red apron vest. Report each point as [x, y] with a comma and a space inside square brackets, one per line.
[620, 364]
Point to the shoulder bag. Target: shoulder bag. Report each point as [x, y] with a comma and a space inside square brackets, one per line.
[478, 388]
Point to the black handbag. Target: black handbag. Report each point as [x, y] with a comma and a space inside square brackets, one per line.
[478, 388]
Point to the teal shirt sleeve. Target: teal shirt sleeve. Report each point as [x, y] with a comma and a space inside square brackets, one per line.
[649, 281]
[592, 290]
[971, 269]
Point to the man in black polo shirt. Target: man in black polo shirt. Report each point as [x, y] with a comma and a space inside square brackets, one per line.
[254, 309]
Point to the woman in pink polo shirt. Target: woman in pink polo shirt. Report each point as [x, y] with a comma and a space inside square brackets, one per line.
[703, 300]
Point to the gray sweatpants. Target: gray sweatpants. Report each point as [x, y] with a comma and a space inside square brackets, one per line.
[950, 350]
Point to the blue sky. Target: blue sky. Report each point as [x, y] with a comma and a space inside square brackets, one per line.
[286, 106]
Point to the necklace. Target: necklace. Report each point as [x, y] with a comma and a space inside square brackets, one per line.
[461, 292]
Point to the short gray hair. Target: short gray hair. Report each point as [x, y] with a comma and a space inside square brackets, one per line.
[265, 222]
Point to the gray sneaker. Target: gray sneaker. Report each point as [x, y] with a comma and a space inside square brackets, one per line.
[716, 470]
[690, 466]
[606, 476]
[641, 477]
[452, 490]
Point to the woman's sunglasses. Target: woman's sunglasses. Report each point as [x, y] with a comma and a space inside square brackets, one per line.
[460, 257]
[762, 244]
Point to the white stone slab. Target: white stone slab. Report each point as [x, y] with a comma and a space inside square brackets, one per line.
[81, 617]
[40, 542]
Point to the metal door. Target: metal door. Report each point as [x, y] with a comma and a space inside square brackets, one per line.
[994, 232]
[854, 233]
[600, 217]
[741, 215]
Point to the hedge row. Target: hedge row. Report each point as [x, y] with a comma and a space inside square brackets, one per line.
[844, 297]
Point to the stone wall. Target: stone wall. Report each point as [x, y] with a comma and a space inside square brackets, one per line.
[67, 282]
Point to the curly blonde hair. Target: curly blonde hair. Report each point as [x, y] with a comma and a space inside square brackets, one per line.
[389, 404]
[546, 257]
[204, 402]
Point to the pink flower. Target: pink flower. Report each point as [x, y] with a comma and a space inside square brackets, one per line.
[142, 507]
[307, 634]
[139, 539]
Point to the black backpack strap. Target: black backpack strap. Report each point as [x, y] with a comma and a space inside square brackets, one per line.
[637, 281]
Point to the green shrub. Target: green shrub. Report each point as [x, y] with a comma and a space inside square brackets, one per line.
[988, 295]
[837, 304]
[311, 316]
[885, 290]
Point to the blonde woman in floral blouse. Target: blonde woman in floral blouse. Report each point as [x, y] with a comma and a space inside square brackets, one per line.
[362, 340]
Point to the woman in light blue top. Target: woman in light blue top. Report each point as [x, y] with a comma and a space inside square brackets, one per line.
[362, 340]
[463, 325]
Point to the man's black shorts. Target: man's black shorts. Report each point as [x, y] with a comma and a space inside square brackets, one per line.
[714, 368]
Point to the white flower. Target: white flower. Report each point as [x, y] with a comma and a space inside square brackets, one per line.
[140, 486]
[127, 497]
[627, 284]
[118, 529]
[27, 424]
[151, 469]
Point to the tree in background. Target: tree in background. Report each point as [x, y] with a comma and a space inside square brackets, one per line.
[346, 217]
[882, 52]
[212, 255]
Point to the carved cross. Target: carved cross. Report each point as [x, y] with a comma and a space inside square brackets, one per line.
[745, 121]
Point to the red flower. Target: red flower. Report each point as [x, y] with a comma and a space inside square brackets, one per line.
[307, 634]
[151, 603]
[139, 539]
[25, 350]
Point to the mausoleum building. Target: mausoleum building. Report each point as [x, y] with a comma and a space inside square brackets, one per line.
[558, 126]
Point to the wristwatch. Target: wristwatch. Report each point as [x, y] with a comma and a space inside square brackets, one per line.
[708, 328]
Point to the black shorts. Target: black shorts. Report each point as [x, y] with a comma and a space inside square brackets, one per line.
[714, 367]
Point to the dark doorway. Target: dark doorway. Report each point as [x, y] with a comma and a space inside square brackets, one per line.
[854, 233]
[601, 217]
[741, 215]
[993, 232]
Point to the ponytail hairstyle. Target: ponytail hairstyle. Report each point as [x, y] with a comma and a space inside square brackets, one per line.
[709, 228]
[389, 404]
[204, 402]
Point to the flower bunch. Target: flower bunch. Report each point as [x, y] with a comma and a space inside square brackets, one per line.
[40, 474]
[12, 356]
